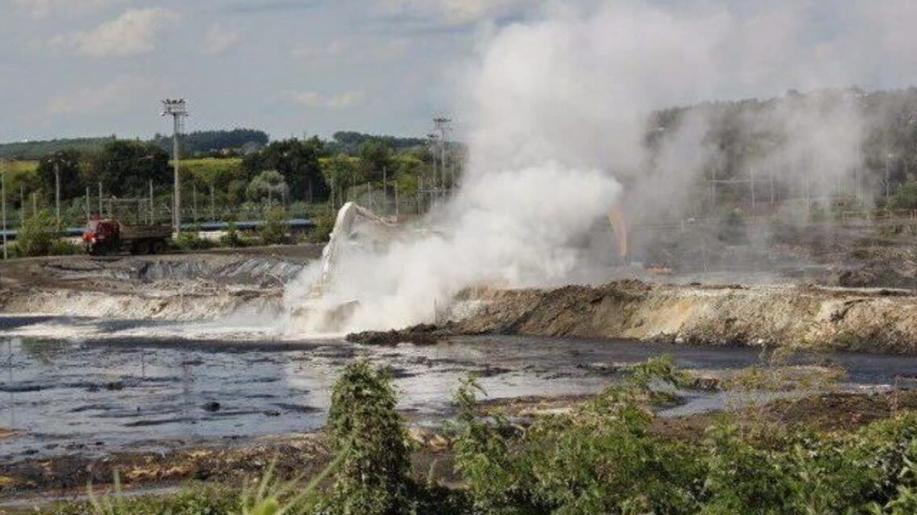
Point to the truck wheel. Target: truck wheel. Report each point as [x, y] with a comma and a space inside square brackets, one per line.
[157, 247]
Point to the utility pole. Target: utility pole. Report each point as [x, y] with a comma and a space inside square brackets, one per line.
[194, 201]
[57, 189]
[3, 205]
[152, 205]
[432, 140]
[100, 200]
[442, 125]
[21, 205]
[751, 172]
[178, 110]
[213, 210]
[88, 209]
[888, 175]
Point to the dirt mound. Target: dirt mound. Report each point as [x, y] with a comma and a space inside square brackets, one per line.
[775, 316]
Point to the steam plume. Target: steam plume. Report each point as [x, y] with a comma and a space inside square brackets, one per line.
[559, 108]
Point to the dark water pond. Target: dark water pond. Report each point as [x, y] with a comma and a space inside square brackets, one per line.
[140, 393]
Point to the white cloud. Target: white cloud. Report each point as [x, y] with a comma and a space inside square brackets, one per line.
[220, 39]
[134, 32]
[44, 8]
[459, 11]
[112, 97]
[337, 101]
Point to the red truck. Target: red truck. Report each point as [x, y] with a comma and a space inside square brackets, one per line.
[108, 235]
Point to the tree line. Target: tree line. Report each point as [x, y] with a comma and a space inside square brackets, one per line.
[310, 170]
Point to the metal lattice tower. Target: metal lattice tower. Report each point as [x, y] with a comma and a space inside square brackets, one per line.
[178, 110]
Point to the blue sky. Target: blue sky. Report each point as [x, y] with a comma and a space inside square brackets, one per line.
[95, 67]
[290, 67]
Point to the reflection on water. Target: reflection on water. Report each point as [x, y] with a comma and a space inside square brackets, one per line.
[131, 394]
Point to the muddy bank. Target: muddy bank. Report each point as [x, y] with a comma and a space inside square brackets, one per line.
[797, 317]
[174, 287]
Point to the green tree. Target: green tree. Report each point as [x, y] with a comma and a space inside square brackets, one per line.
[72, 173]
[340, 172]
[125, 167]
[376, 157]
[297, 161]
[269, 184]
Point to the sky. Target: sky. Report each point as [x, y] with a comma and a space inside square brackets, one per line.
[73, 68]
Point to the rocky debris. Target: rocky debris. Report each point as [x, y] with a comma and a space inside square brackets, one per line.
[423, 334]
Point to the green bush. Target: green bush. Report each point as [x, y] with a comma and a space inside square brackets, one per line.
[191, 240]
[905, 197]
[324, 224]
[37, 236]
[365, 428]
[193, 500]
[275, 228]
[602, 458]
[232, 237]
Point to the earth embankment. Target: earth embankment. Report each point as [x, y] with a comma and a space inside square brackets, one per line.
[804, 317]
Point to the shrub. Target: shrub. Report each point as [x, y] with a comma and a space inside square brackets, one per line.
[602, 458]
[191, 240]
[232, 237]
[275, 228]
[369, 434]
[905, 197]
[191, 500]
[324, 224]
[38, 235]
[599, 459]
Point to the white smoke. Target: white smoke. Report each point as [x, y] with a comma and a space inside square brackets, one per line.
[558, 107]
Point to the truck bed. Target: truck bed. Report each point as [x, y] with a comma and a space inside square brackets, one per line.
[143, 232]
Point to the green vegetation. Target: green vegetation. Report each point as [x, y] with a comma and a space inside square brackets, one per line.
[232, 237]
[215, 143]
[198, 144]
[324, 224]
[38, 236]
[191, 500]
[601, 457]
[191, 240]
[905, 197]
[275, 229]
[365, 429]
[35, 150]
